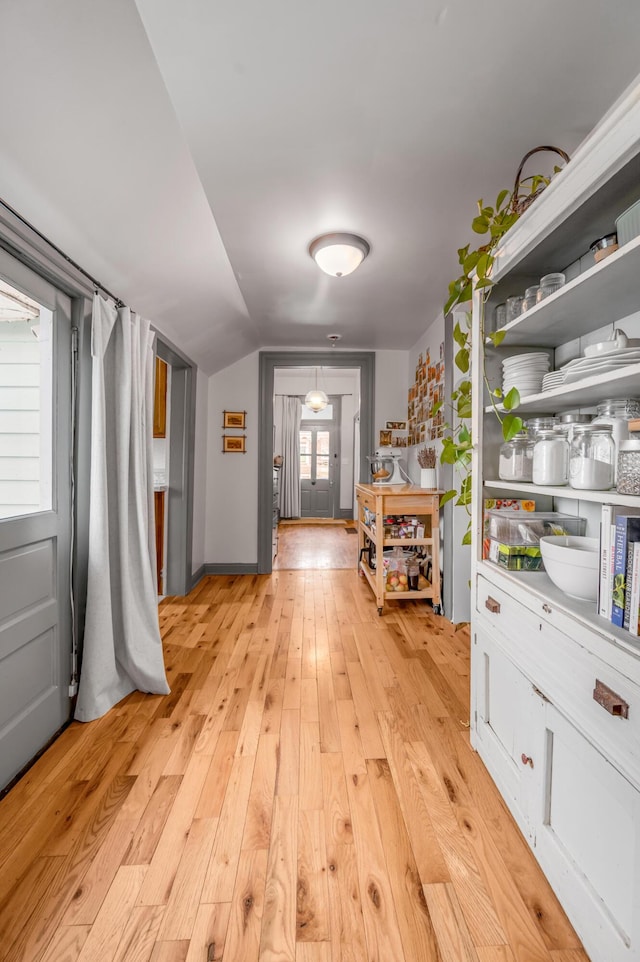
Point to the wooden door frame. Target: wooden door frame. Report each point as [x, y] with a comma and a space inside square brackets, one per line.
[365, 361]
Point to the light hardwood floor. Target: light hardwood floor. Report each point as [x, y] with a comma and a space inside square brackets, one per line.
[316, 546]
[306, 793]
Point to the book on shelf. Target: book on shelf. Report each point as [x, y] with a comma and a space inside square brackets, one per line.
[627, 533]
[634, 593]
[604, 586]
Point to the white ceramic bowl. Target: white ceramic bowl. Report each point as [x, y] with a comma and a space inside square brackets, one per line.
[572, 563]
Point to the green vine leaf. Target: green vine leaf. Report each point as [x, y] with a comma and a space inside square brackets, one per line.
[497, 337]
[511, 425]
[497, 393]
[467, 536]
[463, 408]
[462, 360]
[502, 196]
[459, 336]
[480, 224]
[512, 399]
[447, 496]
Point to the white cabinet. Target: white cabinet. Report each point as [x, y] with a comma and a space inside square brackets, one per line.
[568, 769]
[506, 722]
[587, 839]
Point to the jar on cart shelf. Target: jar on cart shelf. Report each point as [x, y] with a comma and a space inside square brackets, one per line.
[618, 412]
[592, 457]
[629, 467]
[550, 458]
[515, 462]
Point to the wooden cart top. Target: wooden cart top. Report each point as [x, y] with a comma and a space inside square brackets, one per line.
[396, 489]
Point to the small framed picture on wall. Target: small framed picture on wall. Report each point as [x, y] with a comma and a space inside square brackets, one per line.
[234, 419]
[234, 444]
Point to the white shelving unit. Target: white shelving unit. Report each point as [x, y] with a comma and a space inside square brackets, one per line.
[569, 770]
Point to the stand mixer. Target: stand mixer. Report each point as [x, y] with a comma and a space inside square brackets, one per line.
[385, 467]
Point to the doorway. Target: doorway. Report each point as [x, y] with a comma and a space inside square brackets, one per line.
[35, 514]
[364, 363]
[320, 447]
[179, 442]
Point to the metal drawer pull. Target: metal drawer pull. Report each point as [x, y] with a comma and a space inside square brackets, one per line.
[547, 610]
[492, 605]
[527, 760]
[611, 702]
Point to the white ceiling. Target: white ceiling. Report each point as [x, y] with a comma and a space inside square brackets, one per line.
[186, 153]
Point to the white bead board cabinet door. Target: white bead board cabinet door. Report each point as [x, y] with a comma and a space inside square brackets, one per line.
[508, 722]
[587, 840]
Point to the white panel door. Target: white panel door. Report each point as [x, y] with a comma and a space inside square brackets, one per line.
[35, 514]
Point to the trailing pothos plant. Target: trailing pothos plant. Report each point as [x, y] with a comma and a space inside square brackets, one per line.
[477, 267]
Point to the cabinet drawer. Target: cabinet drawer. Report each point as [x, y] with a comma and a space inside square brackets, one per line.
[565, 673]
[367, 500]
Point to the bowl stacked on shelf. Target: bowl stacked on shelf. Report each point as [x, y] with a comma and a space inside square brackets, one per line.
[524, 372]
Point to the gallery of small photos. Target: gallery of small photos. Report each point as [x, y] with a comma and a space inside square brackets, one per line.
[427, 390]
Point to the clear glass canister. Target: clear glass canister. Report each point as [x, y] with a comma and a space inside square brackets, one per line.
[550, 458]
[533, 425]
[549, 284]
[514, 307]
[530, 298]
[618, 412]
[629, 467]
[591, 462]
[568, 421]
[516, 458]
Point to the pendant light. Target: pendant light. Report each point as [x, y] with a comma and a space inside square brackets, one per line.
[339, 254]
[316, 399]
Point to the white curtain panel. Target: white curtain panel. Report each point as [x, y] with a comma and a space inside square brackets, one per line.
[122, 645]
[287, 415]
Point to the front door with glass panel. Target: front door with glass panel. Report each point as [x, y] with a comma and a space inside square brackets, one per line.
[319, 440]
[35, 514]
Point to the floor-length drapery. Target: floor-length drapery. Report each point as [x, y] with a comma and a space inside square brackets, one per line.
[287, 415]
[122, 647]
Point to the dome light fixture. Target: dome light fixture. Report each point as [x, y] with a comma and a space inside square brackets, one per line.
[339, 254]
[316, 399]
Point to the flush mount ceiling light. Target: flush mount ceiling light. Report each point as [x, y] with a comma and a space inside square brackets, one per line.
[339, 254]
[316, 399]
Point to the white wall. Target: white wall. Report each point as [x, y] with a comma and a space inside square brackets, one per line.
[200, 471]
[232, 479]
[391, 388]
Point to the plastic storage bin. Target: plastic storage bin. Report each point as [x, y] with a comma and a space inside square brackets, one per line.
[516, 557]
[518, 529]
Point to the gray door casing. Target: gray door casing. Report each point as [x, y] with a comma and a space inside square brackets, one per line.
[269, 361]
[35, 607]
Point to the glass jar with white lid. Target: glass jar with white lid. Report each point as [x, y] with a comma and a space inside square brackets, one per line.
[592, 457]
[551, 458]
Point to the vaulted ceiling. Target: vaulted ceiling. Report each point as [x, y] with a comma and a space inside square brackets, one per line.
[187, 153]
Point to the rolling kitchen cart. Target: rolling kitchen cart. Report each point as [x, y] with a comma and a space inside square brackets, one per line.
[375, 503]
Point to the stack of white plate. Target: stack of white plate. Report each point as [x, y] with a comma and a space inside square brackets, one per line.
[552, 379]
[525, 372]
[588, 366]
